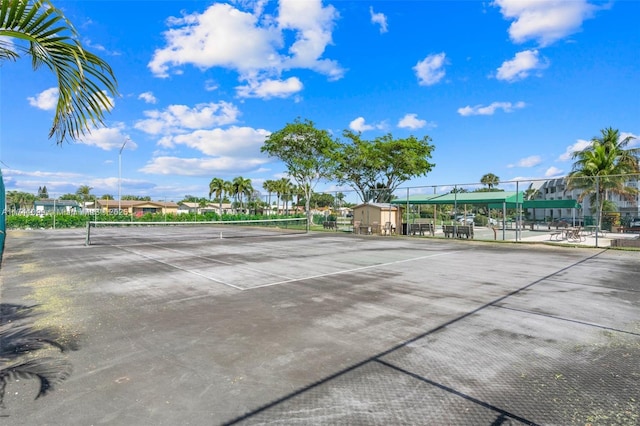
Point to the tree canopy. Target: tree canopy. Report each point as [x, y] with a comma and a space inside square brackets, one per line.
[603, 167]
[306, 151]
[374, 169]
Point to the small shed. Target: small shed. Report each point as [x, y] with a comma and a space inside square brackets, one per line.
[376, 215]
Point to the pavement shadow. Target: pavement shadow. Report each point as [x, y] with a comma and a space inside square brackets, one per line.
[29, 352]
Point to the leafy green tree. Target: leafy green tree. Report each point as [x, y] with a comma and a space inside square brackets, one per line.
[322, 200]
[72, 197]
[374, 169]
[18, 200]
[307, 153]
[490, 181]
[603, 168]
[458, 190]
[107, 197]
[40, 30]
[136, 197]
[43, 193]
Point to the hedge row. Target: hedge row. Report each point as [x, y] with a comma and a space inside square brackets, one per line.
[80, 220]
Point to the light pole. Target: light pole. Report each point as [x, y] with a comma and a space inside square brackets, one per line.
[120, 174]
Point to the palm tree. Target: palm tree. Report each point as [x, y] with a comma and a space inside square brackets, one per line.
[490, 180]
[269, 186]
[603, 168]
[84, 80]
[20, 200]
[218, 187]
[285, 189]
[241, 187]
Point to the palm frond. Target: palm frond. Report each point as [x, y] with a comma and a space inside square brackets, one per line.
[48, 371]
[83, 78]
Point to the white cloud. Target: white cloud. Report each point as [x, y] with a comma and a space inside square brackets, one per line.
[244, 141]
[210, 85]
[530, 161]
[490, 109]
[148, 97]
[379, 19]
[521, 66]
[201, 166]
[411, 121]
[553, 172]
[40, 174]
[45, 100]
[545, 21]
[108, 138]
[313, 24]
[431, 69]
[576, 147]
[359, 125]
[250, 43]
[266, 89]
[176, 118]
[635, 139]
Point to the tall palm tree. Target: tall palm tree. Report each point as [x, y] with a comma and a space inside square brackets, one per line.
[218, 187]
[603, 168]
[38, 29]
[490, 180]
[285, 189]
[269, 186]
[241, 187]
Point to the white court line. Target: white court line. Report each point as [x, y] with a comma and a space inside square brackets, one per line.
[181, 269]
[242, 265]
[346, 271]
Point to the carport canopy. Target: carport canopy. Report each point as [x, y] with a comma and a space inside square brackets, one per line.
[494, 200]
[498, 198]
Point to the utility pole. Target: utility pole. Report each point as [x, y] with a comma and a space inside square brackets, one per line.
[120, 175]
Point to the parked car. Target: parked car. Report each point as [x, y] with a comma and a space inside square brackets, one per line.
[466, 220]
[634, 222]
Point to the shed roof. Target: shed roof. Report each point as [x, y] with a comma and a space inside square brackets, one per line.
[381, 206]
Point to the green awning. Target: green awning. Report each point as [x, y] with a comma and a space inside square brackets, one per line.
[551, 204]
[496, 197]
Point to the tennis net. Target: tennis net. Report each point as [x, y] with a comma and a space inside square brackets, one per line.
[120, 233]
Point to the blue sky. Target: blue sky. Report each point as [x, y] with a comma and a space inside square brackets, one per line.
[505, 87]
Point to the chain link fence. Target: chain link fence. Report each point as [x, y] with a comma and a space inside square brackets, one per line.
[596, 208]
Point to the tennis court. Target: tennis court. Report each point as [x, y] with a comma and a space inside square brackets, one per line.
[325, 328]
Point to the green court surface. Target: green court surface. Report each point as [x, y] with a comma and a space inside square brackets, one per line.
[322, 328]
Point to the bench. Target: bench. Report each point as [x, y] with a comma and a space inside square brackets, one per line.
[466, 230]
[420, 228]
[330, 224]
[458, 231]
[449, 231]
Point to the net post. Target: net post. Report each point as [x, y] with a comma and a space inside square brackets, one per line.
[87, 241]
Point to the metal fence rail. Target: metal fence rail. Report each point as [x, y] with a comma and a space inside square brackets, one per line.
[3, 217]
